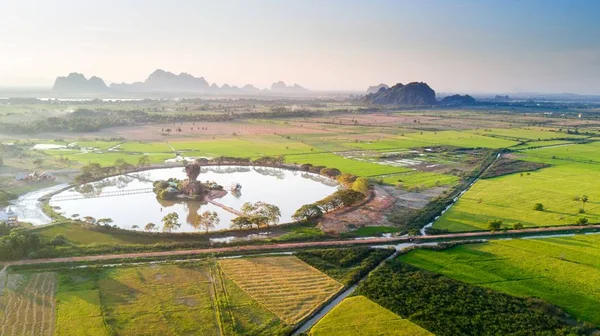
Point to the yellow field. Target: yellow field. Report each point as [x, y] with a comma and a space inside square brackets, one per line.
[27, 306]
[360, 316]
[286, 286]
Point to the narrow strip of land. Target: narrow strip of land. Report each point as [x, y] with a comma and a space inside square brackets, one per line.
[284, 246]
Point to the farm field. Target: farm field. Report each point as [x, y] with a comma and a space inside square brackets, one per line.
[525, 134]
[360, 316]
[511, 198]
[442, 138]
[193, 298]
[28, 306]
[564, 271]
[360, 168]
[280, 284]
[420, 179]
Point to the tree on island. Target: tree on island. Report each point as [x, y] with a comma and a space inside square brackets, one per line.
[207, 220]
[192, 170]
[171, 222]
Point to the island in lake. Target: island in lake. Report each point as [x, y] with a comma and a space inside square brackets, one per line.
[189, 189]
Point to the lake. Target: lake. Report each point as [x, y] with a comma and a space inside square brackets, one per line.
[128, 200]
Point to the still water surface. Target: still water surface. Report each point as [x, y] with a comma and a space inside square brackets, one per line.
[289, 190]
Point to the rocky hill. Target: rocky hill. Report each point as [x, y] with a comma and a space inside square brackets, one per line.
[283, 88]
[375, 88]
[411, 94]
[77, 83]
[457, 99]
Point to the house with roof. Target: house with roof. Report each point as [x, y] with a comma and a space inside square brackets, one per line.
[9, 217]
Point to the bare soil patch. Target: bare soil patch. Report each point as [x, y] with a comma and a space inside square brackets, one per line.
[370, 214]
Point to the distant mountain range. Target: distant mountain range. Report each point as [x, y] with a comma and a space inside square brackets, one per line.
[161, 81]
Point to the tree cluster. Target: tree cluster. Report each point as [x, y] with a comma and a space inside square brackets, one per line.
[259, 214]
[449, 307]
[341, 198]
[19, 243]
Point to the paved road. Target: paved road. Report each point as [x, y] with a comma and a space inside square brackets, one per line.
[284, 246]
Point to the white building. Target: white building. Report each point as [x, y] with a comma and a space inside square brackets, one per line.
[8, 216]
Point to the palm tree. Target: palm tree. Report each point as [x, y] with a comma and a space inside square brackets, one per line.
[584, 200]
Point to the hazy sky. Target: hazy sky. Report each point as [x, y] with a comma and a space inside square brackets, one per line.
[455, 46]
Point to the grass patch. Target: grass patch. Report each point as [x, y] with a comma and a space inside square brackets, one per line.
[418, 179]
[370, 231]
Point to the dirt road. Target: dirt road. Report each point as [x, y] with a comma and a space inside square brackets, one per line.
[289, 246]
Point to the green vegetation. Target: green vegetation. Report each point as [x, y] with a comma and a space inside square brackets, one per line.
[511, 198]
[370, 231]
[360, 168]
[19, 243]
[360, 316]
[564, 271]
[449, 307]
[196, 298]
[418, 179]
[505, 166]
[345, 265]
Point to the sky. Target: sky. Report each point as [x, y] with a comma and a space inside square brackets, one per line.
[455, 46]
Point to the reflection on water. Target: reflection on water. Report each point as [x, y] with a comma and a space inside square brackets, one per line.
[95, 189]
[109, 198]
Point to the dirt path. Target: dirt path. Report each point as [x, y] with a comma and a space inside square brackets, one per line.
[283, 246]
[3, 278]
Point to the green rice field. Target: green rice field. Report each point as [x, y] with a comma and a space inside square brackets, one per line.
[564, 271]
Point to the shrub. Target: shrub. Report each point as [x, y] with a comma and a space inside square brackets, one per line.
[59, 240]
[362, 186]
[518, 226]
[582, 221]
[538, 207]
[494, 225]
